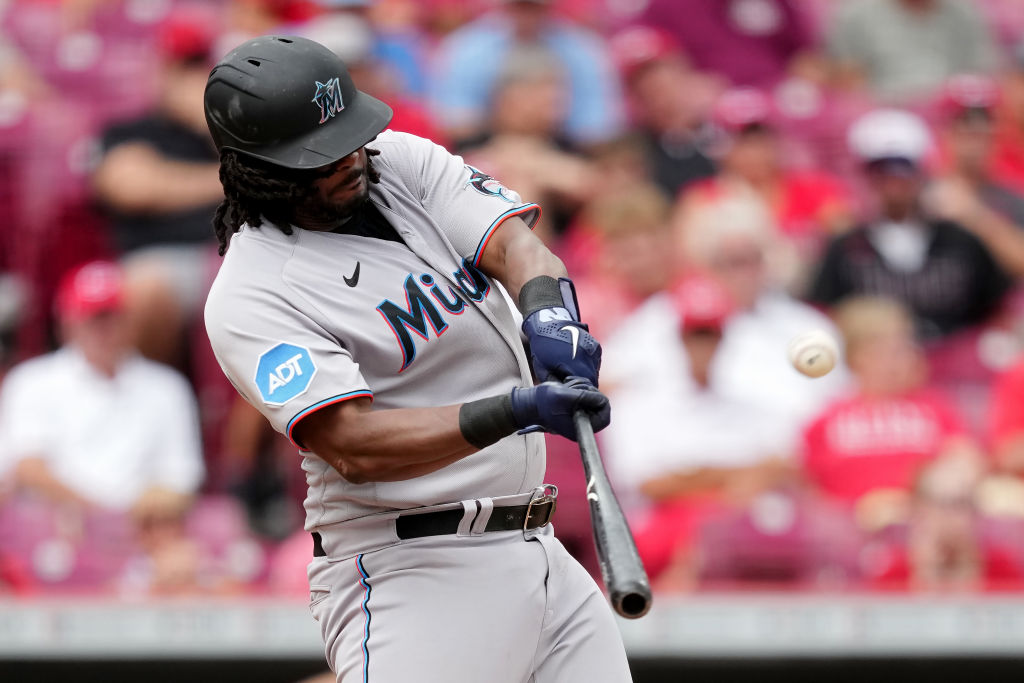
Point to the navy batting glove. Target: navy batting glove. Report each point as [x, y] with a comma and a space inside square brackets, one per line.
[551, 406]
[561, 347]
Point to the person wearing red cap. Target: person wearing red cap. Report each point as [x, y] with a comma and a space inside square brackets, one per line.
[669, 103]
[702, 451]
[93, 423]
[158, 181]
[968, 193]
[807, 205]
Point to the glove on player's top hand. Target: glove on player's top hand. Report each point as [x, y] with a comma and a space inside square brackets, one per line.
[561, 347]
[551, 406]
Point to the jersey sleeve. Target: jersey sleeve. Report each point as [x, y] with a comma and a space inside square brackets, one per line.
[467, 203]
[279, 359]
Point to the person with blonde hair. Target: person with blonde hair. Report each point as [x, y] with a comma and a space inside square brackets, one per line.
[897, 455]
[870, 448]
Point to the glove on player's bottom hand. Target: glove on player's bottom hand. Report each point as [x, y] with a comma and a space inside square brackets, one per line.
[551, 406]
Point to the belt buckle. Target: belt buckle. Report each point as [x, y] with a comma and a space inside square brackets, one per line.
[542, 494]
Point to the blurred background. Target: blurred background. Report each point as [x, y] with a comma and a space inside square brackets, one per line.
[719, 176]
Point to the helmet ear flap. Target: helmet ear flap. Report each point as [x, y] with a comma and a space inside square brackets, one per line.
[291, 102]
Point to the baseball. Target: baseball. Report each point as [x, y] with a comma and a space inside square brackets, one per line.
[814, 353]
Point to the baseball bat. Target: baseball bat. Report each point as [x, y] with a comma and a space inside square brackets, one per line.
[624, 577]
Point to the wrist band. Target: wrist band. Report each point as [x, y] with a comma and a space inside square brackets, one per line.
[487, 420]
[540, 292]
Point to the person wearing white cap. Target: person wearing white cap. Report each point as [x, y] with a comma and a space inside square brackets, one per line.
[939, 270]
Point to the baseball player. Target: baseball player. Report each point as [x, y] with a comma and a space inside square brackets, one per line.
[360, 308]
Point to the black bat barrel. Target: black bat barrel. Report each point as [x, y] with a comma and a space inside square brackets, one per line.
[624, 577]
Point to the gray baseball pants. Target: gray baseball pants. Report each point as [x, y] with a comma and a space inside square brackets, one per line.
[490, 608]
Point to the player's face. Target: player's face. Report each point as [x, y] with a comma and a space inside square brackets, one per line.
[337, 194]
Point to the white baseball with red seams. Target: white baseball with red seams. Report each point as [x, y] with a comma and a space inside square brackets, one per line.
[814, 353]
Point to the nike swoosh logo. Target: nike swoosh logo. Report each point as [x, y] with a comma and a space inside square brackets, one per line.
[354, 280]
[575, 332]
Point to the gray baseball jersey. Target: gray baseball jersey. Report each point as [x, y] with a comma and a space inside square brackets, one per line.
[303, 321]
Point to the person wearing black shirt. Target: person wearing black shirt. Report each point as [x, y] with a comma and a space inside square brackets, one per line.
[669, 103]
[939, 270]
[158, 181]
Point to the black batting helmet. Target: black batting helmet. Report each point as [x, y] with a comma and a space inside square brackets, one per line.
[289, 101]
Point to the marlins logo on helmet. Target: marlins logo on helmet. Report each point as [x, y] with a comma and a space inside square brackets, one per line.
[328, 97]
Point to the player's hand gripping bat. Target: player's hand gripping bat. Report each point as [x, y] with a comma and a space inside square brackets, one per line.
[623, 574]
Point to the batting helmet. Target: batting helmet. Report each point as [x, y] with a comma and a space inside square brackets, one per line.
[291, 102]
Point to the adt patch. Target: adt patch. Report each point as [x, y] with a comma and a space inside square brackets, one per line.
[283, 373]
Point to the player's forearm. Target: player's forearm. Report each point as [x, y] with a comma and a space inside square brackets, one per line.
[385, 445]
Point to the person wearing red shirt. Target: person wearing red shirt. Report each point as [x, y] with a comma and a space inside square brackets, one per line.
[1008, 157]
[893, 427]
[1007, 420]
[807, 205]
[897, 454]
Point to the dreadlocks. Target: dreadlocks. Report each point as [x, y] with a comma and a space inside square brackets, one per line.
[255, 190]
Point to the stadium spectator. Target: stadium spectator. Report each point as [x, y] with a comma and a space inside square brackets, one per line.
[807, 205]
[351, 37]
[678, 440]
[905, 49]
[947, 545]
[469, 62]
[735, 240]
[399, 52]
[967, 193]
[1008, 157]
[938, 269]
[521, 143]
[631, 258]
[870, 449]
[158, 178]
[245, 19]
[93, 423]
[747, 42]
[1007, 420]
[669, 104]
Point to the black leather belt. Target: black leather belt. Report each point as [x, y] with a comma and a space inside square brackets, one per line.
[533, 515]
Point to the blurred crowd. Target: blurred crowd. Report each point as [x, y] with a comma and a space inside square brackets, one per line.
[719, 176]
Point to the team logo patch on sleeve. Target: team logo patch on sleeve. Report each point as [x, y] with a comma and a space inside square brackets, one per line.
[283, 373]
[486, 185]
